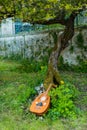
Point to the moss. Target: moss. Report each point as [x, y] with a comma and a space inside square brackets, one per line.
[52, 76]
[49, 77]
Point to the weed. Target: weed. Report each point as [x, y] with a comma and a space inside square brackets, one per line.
[30, 65]
[80, 40]
[62, 102]
[81, 67]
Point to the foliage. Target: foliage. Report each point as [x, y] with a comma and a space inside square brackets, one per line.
[31, 65]
[62, 102]
[14, 57]
[71, 49]
[17, 92]
[81, 67]
[27, 65]
[38, 10]
[80, 41]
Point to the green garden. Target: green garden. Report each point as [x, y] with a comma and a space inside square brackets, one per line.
[17, 92]
[22, 70]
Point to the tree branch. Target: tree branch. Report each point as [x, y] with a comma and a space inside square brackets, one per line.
[50, 21]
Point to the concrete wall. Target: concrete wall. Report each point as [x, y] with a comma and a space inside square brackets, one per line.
[81, 19]
[7, 27]
[26, 45]
[78, 52]
[38, 45]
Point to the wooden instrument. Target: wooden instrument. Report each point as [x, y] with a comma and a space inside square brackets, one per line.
[41, 104]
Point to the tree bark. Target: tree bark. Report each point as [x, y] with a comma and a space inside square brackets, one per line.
[52, 73]
[63, 38]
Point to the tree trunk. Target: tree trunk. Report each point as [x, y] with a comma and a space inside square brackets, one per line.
[63, 38]
[53, 75]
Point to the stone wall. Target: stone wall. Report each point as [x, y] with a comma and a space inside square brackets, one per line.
[35, 45]
[39, 45]
[78, 48]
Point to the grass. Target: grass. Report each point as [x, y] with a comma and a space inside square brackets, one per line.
[15, 93]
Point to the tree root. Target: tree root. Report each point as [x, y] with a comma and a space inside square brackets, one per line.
[52, 76]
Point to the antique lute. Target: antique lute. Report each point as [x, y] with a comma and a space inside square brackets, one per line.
[41, 104]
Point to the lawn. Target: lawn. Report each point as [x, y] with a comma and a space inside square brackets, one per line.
[15, 92]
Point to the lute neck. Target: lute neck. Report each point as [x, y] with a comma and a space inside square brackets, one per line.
[51, 85]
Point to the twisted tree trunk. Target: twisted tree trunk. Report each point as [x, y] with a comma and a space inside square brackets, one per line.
[52, 73]
[63, 38]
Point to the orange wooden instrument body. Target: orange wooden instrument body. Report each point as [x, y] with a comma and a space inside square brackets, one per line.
[41, 104]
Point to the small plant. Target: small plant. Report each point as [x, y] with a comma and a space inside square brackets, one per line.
[30, 65]
[71, 49]
[62, 102]
[14, 57]
[81, 67]
[62, 65]
[80, 40]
